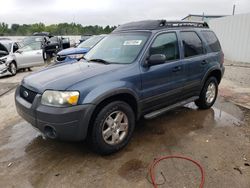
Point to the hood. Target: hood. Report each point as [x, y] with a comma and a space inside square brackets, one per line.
[71, 51]
[61, 77]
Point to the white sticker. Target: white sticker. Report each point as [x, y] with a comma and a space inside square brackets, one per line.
[132, 42]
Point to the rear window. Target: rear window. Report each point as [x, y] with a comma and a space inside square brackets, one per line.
[212, 41]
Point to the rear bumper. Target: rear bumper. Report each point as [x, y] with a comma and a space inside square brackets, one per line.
[69, 123]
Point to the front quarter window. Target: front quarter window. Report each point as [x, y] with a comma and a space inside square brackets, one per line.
[120, 48]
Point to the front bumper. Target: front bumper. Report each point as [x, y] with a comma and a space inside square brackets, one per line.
[69, 123]
[3, 69]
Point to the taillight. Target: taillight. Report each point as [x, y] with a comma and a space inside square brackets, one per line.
[222, 58]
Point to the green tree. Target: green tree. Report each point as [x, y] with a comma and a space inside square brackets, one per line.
[55, 29]
[3, 29]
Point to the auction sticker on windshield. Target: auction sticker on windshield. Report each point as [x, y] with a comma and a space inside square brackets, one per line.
[132, 42]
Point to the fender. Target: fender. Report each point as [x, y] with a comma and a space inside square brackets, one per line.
[217, 67]
[105, 91]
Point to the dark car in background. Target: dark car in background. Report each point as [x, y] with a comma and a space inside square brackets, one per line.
[85, 37]
[142, 69]
[51, 44]
[73, 54]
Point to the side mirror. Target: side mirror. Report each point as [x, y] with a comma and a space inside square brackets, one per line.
[19, 51]
[156, 59]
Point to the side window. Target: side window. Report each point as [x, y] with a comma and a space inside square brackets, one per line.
[32, 46]
[166, 44]
[212, 41]
[15, 47]
[192, 44]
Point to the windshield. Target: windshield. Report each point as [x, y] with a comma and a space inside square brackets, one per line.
[89, 43]
[118, 48]
[31, 39]
[7, 45]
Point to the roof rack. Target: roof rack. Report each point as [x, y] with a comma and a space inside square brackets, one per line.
[158, 24]
[184, 24]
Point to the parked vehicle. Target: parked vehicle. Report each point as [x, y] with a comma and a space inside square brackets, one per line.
[73, 54]
[141, 69]
[84, 37]
[14, 57]
[4, 38]
[51, 44]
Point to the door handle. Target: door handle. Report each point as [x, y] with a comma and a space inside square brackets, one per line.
[38, 53]
[176, 69]
[204, 62]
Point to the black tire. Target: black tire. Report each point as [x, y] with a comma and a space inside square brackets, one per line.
[13, 68]
[97, 141]
[45, 57]
[202, 102]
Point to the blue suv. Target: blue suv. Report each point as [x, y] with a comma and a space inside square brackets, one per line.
[75, 54]
[142, 69]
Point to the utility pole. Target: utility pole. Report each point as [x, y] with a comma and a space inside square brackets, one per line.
[233, 9]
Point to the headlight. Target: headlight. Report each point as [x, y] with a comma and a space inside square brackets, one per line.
[76, 56]
[60, 98]
[3, 60]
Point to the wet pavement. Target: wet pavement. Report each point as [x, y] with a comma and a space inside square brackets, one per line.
[219, 138]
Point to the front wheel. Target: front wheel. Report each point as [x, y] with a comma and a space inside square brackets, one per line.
[113, 128]
[208, 94]
[12, 68]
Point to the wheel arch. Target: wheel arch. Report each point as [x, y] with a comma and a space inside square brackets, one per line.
[13, 61]
[215, 72]
[127, 97]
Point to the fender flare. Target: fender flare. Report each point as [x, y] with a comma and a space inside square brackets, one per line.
[215, 68]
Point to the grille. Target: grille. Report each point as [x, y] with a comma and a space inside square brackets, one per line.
[61, 58]
[27, 94]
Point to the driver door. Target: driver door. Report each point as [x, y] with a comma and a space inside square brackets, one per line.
[29, 55]
[162, 84]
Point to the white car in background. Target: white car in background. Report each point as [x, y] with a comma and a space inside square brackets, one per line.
[14, 57]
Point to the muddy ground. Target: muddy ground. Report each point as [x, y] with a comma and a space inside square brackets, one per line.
[219, 138]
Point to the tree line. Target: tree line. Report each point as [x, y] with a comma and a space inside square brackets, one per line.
[55, 29]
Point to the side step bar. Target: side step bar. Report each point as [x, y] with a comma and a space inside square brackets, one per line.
[163, 110]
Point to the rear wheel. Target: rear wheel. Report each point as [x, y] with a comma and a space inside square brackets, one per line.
[12, 68]
[208, 94]
[113, 128]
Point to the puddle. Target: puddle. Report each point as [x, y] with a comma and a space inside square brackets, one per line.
[223, 113]
[133, 170]
[17, 139]
[51, 163]
[225, 119]
[22, 139]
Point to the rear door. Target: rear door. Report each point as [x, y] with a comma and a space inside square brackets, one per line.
[162, 84]
[195, 62]
[29, 55]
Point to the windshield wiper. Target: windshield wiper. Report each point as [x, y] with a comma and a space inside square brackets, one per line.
[100, 61]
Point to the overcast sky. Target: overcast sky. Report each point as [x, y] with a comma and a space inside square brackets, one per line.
[111, 12]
